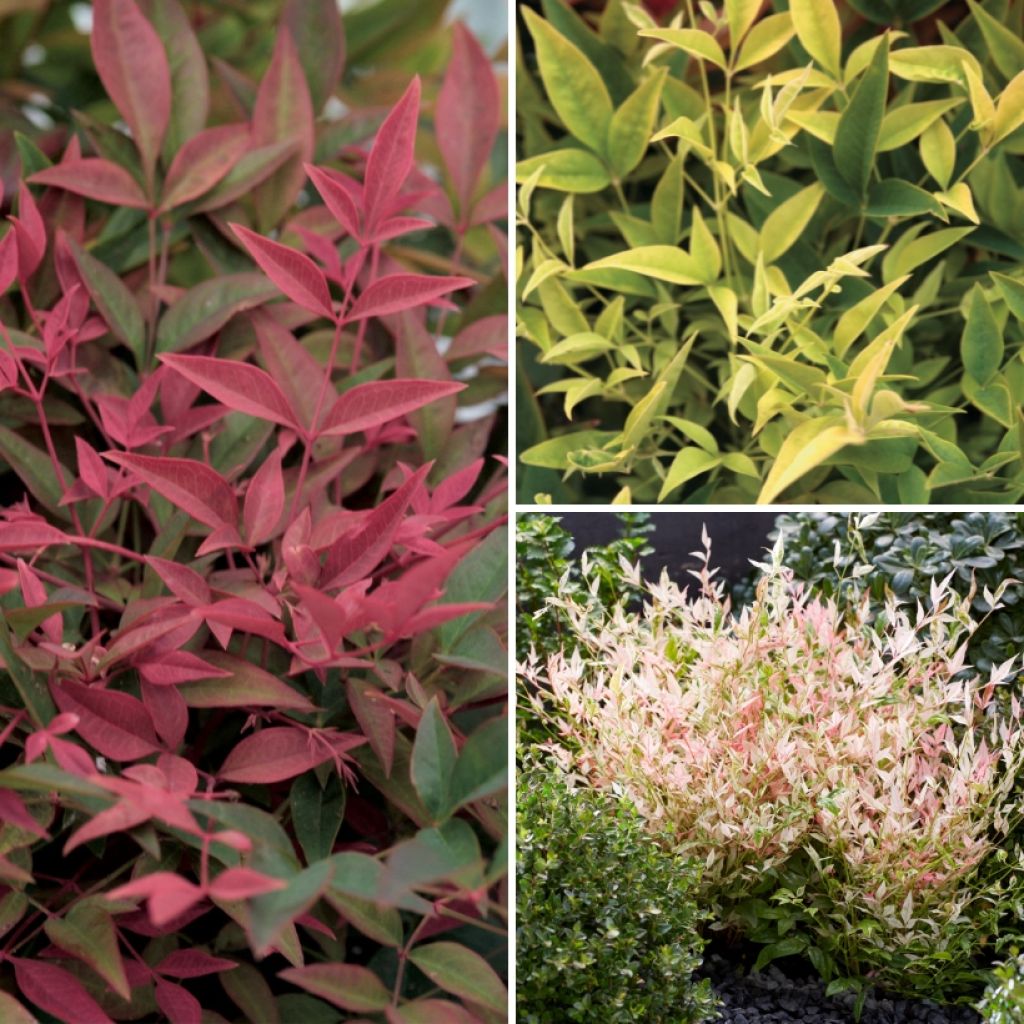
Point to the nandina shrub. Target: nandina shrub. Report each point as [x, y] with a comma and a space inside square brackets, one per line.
[252, 553]
[770, 251]
[847, 791]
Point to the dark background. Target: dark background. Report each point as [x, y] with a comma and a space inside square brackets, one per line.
[736, 537]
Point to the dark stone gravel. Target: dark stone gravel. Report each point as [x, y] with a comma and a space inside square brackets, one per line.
[772, 997]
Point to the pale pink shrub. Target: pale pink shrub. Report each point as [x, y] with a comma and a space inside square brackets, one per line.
[840, 746]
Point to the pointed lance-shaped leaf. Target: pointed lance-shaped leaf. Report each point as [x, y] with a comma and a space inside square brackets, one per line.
[94, 178]
[398, 292]
[202, 162]
[292, 271]
[132, 64]
[337, 198]
[275, 754]
[369, 405]
[349, 986]
[57, 991]
[177, 1003]
[114, 723]
[861, 122]
[192, 486]
[264, 501]
[391, 157]
[240, 386]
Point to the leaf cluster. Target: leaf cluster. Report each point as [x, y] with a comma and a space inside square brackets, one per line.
[771, 254]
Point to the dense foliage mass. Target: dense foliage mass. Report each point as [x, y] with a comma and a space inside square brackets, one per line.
[607, 921]
[1004, 1000]
[906, 552]
[771, 252]
[848, 788]
[252, 553]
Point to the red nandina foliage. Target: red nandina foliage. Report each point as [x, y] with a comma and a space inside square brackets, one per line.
[252, 550]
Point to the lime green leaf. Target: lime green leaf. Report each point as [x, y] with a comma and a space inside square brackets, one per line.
[695, 432]
[861, 122]
[694, 41]
[1013, 293]
[855, 320]
[766, 38]
[1009, 109]
[632, 124]
[809, 445]
[933, 64]
[818, 29]
[1005, 46]
[663, 262]
[904, 124]
[577, 348]
[740, 14]
[870, 364]
[704, 248]
[993, 399]
[959, 199]
[566, 229]
[462, 972]
[981, 344]
[938, 152]
[573, 84]
[787, 222]
[902, 259]
[565, 170]
[687, 464]
[553, 453]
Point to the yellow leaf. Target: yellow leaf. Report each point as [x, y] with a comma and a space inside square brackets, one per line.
[1010, 109]
[698, 44]
[807, 447]
[818, 29]
[786, 222]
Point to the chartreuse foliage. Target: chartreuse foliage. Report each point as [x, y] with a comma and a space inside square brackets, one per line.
[252, 545]
[767, 256]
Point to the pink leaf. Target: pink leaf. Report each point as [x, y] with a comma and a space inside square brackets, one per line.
[240, 386]
[29, 536]
[132, 64]
[57, 991]
[14, 812]
[469, 96]
[355, 554]
[30, 232]
[294, 273]
[272, 755]
[114, 723]
[168, 894]
[192, 963]
[391, 158]
[119, 818]
[178, 1004]
[169, 712]
[94, 178]
[193, 486]
[243, 883]
[8, 260]
[398, 292]
[184, 583]
[336, 197]
[202, 162]
[371, 404]
[178, 667]
[264, 501]
[91, 468]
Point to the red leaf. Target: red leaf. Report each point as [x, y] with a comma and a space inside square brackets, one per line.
[468, 96]
[30, 233]
[94, 178]
[8, 260]
[370, 405]
[236, 683]
[184, 583]
[91, 468]
[168, 894]
[355, 554]
[177, 667]
[346, 985]
[169, 712]
[114, 723]
[57, 991]
[29, 536]
[202, 162]
[193, 486]
[178, 1004]
[293, 272]
[398, 292]
[391, 158]
[132, 64]
[14, 812]
[243, 883]
[264, 501]
[119, 818]
[272, 755]
[240, 386]
[336, 197]
[192, 963]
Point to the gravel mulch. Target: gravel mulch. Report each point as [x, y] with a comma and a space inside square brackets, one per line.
[772, 997]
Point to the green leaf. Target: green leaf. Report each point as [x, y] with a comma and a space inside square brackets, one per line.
[1004, 46]
[703, 247]
[788, 221]
[805, 448]
[981, 344]
[573, 84]
[904, 124]
[248, 685]
[87, 932]
[1009, 109]
[30, 687]
[766, 38]
[640, 416]
[662, 262]
[462, 972]
[317, 812]
[349, 986]
[740, 14]
[482, 767]
[433, 759]
[938, 152]
[632, 124]
[861, 122]
[933, 64]
[854, 321]
[693, 41]
[206, 308]
[687, 464]
[553, 453]
[904, 258]
[272, 912]
[818, 29]
[893, 197]
[577, 348]
[481, 576]
[870, 364]
[565, 170]
[993, 398]
[1012, 291]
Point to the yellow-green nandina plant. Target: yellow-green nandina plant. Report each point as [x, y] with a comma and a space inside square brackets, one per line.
[771, 253]
[848, 791]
